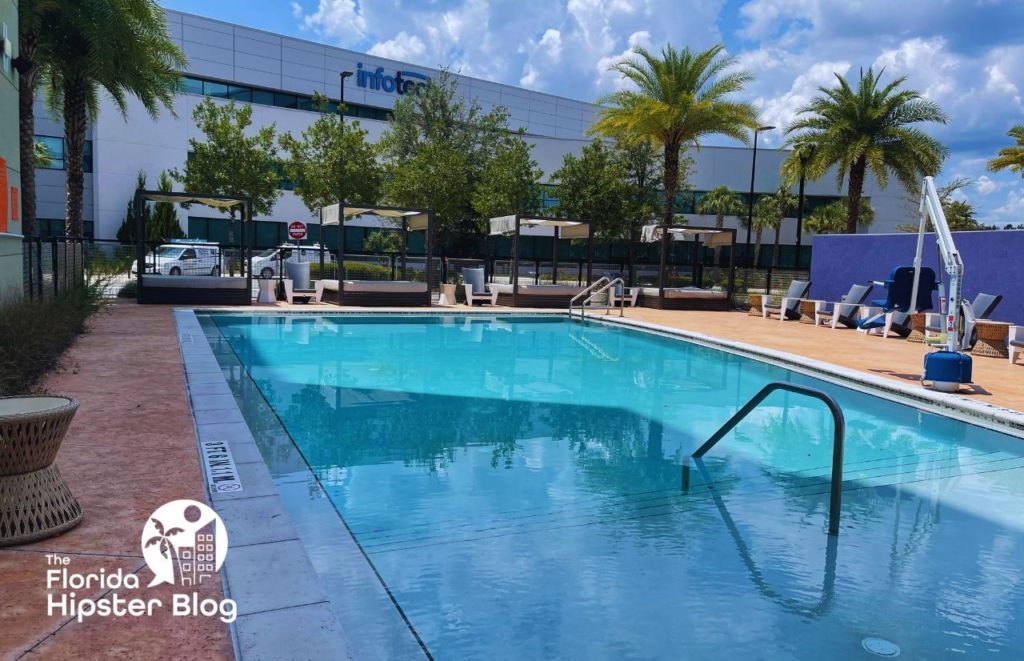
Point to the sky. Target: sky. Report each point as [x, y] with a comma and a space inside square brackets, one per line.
[967, 55]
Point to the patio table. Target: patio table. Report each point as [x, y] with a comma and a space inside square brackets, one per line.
[992, 338]
[35, 503]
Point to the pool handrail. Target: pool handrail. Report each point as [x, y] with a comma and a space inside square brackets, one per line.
[838, 436]
[600, 286]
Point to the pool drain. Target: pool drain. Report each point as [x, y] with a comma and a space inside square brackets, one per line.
[881, 647]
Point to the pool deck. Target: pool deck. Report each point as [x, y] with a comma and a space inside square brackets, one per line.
[132, 447]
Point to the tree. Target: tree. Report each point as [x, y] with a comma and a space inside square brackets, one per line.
[1011, 158]
[230, 162]
[720, 202]
[119, 46]
[332, 161]
[680, 99]
[40, 159]
[643, 175]
[508, 181]
[382, 241]
[959, 213]
[161, 222]
[769, 212]
[831, 218]
[435, 150]
[594, 186]
[871, 127]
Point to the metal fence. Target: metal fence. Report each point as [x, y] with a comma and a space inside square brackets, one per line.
[51, 266]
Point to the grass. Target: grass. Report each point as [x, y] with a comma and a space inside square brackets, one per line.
[34, 335]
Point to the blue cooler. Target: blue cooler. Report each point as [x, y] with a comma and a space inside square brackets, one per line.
[946, 370]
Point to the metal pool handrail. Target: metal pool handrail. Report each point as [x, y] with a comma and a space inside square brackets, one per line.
[839, 434]
[598, 287]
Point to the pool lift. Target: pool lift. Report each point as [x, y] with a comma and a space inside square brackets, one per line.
[946, 369]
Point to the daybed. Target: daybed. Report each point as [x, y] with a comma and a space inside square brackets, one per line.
[537, 296]
[200, 289]
[684, 298]
[375, 293]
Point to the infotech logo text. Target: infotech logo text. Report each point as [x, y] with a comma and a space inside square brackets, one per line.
[403, 82]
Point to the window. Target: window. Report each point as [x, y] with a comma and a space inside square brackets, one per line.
[216, 90]
[189, 253]
[48, 228]
[263, 97]
[286, 100]
[240, 93]
[56, 148]
[191, 85]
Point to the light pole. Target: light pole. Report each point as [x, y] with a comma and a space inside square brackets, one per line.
[750, 203]
[341, 93]
[800, 207]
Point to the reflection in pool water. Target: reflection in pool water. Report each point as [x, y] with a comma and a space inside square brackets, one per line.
[516, 484]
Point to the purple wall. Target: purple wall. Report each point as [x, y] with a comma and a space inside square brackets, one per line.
[993, 263]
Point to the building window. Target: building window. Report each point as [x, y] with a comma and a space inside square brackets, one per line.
[264, 97]
[56, 148]
[49, 228]
[4, 37]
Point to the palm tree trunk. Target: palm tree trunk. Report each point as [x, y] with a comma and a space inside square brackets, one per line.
[26, 132]
[854, 193]
[757, 245]
[671, 180]
[719, 224]
[775, 250]
[75, 125]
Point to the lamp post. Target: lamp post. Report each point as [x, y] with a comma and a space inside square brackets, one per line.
[800, 206]
[750, 203]
[341, 93]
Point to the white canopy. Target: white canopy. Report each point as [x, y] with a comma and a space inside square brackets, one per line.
[712, 237]
[568, 229]
[416, 218]
[215, 202]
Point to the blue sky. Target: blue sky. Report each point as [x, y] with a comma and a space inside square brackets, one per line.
[967, 55]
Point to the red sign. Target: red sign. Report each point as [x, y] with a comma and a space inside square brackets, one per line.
[297, 230]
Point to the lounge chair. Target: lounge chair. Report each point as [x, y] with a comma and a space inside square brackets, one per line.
[1016, 342]
[895, 315]
[315, 295]
[627, 295]
[788, 307]
[845, 311]
[981, 307]
[475, 288]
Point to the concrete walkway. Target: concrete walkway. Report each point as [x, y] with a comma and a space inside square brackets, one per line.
[131, 448]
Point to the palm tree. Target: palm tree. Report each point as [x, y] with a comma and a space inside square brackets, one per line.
[1011, 158]
[120, 46]
[870, 127]
[769, 212]
[680, 99]
[163, 538]
[720, 202]
[831, 218]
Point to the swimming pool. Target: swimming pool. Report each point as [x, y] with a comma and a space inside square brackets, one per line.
[513, 482]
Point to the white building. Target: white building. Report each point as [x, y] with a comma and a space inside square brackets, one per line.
[277, 74]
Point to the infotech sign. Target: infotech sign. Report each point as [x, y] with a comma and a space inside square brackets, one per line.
[403, 82]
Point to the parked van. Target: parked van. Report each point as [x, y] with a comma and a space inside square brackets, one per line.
[184, 257]
[265, 264]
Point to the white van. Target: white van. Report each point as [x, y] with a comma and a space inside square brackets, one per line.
[184, 258]
[265, 264]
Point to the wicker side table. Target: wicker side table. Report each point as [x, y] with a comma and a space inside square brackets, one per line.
[35, 503]
[808, 308]
[992, 338]
[917, 323]
[755, 305]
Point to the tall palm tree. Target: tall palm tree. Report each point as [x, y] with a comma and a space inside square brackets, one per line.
[120, 46]
[871, 127]
[1011, 158]
[680, 98]
[720, 202]
[769, 212]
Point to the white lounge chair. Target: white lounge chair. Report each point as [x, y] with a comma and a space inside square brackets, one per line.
[1016, 342]
[475, 288]
[788, 307]
[627, 294]
[315, 295]
[843, 312]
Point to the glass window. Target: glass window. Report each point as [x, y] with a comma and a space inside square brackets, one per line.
[191, 85]
[219, 90]
[263, 97]
[306, 103]
[240, 93]
[55, 149]
[189, 253]
[286, 100]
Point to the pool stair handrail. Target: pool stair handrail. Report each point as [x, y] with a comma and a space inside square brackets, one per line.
[589, 297]
[839, 434]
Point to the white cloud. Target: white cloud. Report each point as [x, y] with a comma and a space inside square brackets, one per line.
[985, 186]
[404, 47]
[338, 19]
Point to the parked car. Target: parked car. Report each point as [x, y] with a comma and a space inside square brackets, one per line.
[265, 264]
[184, 258]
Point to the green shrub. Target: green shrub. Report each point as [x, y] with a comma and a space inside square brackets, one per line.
[130, 290]
[353, 271]
[33, 335]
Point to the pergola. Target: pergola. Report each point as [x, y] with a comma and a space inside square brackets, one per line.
[199, 289]
[378, 292]
[565, 228]
[689, 297]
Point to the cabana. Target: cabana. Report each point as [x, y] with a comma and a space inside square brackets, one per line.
[541, 296]
[214, 288]
[398, 293]
[694, 297]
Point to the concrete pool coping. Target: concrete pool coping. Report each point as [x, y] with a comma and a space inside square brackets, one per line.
[271, 614]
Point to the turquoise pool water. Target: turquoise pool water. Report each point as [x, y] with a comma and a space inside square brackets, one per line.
[514, 482]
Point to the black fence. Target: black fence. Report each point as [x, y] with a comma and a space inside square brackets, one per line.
[51, 266]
